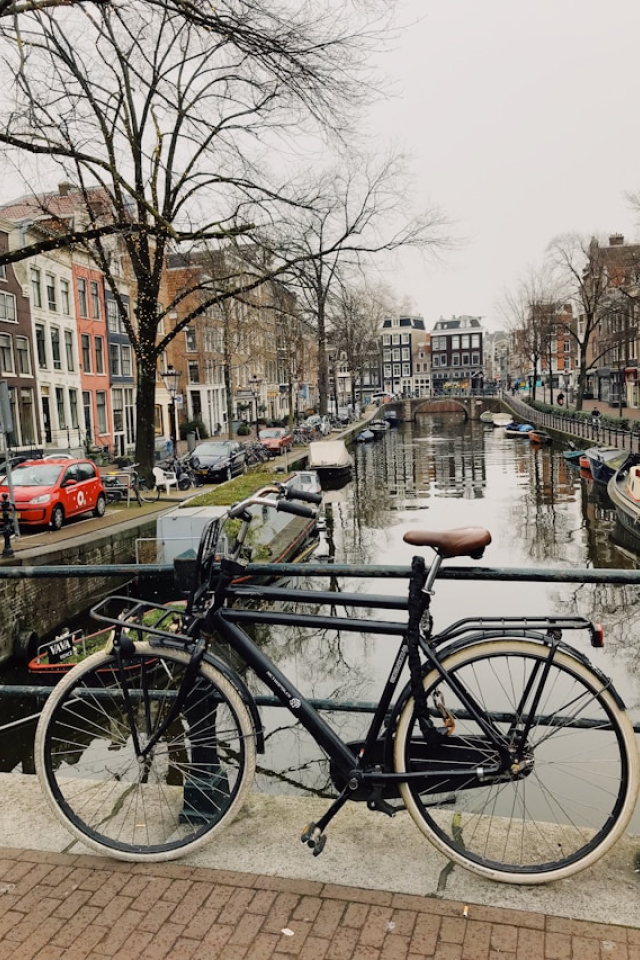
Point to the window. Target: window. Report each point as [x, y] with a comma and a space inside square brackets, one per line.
[475, 358]
[455, 359]
[114, 360]
[6, 353]
[101, 409]
[73, 408]
[68, 350]
[85, 341]
[50, 286]
[55, 348]
[3, 272]
[100, 355]
[36, 287]
[465, 341]
[190, 338]
[112, 316]
[465, 359]
[41, 347]
[455, 343]
[64, 298]
[125, 358]
[95, 300]
[62, 417]
[475, 340]
[8, 307]
[435, 362]
[82, 297]
[194, 371]
[443, 360]
[23, 356]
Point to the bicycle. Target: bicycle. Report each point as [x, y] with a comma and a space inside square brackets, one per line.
[138, 486]
[510, 751]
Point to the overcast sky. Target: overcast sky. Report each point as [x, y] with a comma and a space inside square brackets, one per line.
[523, 122]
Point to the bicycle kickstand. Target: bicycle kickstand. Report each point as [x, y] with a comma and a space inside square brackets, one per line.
[313, 834]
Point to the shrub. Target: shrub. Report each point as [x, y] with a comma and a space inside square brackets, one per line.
[244, 430]
[193, 426]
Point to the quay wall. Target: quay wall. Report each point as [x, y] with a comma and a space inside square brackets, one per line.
[33, 608]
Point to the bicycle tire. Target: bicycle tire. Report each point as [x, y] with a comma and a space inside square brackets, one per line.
[177, 798]
[577, 795]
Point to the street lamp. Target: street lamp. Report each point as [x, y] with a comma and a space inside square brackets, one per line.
[171, 378]
[255, 382]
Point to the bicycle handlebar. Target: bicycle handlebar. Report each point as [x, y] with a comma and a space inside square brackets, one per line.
[298, 508]
[292, 493]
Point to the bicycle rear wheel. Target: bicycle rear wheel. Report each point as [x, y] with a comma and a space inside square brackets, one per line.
[158, 805]
[571, 789]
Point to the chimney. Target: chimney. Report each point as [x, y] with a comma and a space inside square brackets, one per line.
[64, 188]
[616, 240]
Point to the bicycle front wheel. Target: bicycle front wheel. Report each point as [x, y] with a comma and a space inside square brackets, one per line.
[126, 799]
[570, 789]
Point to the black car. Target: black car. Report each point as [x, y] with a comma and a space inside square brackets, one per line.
[218, 460]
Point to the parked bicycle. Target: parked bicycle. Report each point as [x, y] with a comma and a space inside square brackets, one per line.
[511, 752]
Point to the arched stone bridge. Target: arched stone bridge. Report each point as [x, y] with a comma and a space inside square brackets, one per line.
[472, 407]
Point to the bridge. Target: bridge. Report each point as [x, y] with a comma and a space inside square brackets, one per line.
[471, 406]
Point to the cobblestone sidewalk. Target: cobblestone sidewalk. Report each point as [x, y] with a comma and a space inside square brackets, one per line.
[55, 906]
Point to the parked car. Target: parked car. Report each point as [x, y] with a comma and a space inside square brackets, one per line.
[52, 490]
[218, 460]
[276, 440]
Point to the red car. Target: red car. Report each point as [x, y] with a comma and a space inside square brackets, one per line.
[276, 440]
[49, 491]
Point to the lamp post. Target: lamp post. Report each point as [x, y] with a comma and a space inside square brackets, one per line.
[171, 378]
[255, 382]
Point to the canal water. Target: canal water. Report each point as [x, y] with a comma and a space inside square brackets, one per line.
[440, 472]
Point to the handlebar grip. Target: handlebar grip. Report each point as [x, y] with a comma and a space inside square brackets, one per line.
[292, 494]
[298, 508]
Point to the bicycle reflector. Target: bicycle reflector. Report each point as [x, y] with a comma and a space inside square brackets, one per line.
[597, 635]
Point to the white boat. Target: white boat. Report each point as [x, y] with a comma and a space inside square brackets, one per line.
[501, 419]
[330, 459]
[307, 480]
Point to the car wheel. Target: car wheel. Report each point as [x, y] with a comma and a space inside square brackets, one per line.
[57, 517]
[101, 506]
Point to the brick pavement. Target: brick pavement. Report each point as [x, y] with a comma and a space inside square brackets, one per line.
[55, 906]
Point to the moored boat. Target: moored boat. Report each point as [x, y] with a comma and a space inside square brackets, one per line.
[540, 438]
[604, 462]
[378, 427]
[572, 456]
[624, 492]
[501, 419]
[392, 418]
[330, 459]
[365, 436]
[487, 416]
[518, 430]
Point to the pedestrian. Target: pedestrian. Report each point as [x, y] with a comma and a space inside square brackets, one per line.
[560, 399]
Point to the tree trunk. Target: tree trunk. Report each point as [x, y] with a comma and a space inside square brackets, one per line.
[145, 419]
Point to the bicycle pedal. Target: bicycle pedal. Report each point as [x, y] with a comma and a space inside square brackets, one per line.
[314, 839]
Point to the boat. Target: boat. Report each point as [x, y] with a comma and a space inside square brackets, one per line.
[378, 427]
[392, 418]
[487, 416]
[307, 480]
[540, 438]
[56, 657]
[365, 436]
[513, 429]
[501, 419]
[330, 459]
[624, 492]
[604, 461]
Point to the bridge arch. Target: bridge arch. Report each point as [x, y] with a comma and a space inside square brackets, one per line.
[472, 406]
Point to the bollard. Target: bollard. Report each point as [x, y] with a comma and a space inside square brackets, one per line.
[7, 525]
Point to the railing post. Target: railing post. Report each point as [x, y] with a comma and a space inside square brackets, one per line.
[7, 525]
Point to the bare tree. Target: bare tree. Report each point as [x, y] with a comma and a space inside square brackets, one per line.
[353, 213]
[356, 320]
[163, 124]
[581, 271]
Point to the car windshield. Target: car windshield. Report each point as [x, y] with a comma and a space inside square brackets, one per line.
[220, 449]
[36, 475]
[267, 434]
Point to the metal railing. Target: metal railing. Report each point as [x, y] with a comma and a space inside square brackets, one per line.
[596, 431]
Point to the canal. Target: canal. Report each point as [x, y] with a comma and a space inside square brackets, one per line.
[442, 471]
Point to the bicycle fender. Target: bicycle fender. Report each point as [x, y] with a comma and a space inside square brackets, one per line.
[478, 639]
[243, 692]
